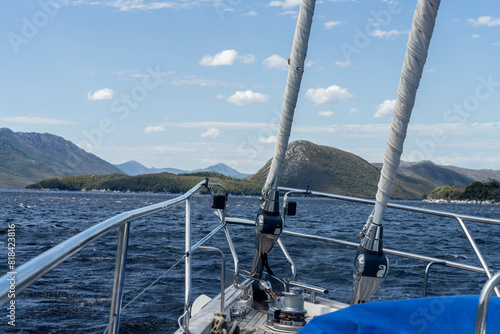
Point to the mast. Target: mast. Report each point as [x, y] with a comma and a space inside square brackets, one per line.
[269, 224]
[371, 265]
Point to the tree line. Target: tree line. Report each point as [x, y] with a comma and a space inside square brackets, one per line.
[163, 182]
[477, 191]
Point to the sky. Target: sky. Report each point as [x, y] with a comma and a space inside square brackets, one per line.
[190, 83]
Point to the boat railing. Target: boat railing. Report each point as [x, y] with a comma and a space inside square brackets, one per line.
[484, 299]
[426, 275]
[460, 218]
[26, 274]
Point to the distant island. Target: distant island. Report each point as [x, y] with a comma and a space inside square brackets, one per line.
[487, 192]
[163, 182]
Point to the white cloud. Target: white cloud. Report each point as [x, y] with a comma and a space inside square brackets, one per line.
[388, 34]
[353, 111]
[225, 125]
[330, 24]
[356, 130]
[220, 97]
[495, 44]
[385, 108]
[155, 128]
[284, 4]
[346, 63]
[309, 63]
[211, 133]
[475, 36]
[326, 113]
[35, 120]
[134, 5]
[101, 94]
[331, 95]
[485, 21]
[430, 70]
[247, 59]
[275, 61]
[251, 13]
[268, 140]
[241, 98]
[293, 14]
[226, 58]
[194, 81]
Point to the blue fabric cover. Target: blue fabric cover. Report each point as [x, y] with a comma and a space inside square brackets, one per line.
[455, 314]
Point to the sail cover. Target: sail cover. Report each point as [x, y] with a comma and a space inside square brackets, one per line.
[456, 314]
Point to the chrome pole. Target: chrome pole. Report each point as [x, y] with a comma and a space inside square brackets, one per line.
[426, 275]
[116, 299]
[484, 300]
[234, 254]
[187, 298]
[476, 251]
[222, 275]
[231, 246]
[289, 259]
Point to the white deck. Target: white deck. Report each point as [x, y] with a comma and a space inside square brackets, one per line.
[201, 322]
[257, 319]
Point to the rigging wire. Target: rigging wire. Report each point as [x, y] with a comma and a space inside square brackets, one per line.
[148, 287]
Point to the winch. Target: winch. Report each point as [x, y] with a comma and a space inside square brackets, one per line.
[290, 317]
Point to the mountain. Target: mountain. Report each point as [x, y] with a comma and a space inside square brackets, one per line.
[440, 175]
[135, 168]
[29, 157]
[476, 174]
[328, 169]
[222, 169]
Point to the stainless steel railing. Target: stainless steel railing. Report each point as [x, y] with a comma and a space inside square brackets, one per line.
[458, 217]
[32, 270]
[484, 299]
[426, 275]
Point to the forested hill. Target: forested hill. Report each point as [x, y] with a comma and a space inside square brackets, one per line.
[488, 191]
[164, 182]
[328, 169]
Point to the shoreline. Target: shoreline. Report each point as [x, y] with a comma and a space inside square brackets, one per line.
[454, 201]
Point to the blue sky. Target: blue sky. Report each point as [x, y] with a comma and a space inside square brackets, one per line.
[190, 83]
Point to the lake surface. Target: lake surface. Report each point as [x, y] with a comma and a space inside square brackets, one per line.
[75, 296]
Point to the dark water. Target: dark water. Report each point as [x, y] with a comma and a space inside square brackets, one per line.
[75, 296]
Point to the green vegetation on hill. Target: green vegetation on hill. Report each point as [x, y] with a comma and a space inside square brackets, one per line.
[331, 170]
[163, 182]
[477, 191]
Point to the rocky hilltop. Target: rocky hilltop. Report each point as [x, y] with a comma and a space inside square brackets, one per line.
[328, 169]
[29, 157]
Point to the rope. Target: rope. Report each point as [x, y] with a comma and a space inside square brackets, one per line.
[148, 287]
[424, 20]
[220, 324]
[220, 321]
[155, 281]
[296, 61]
